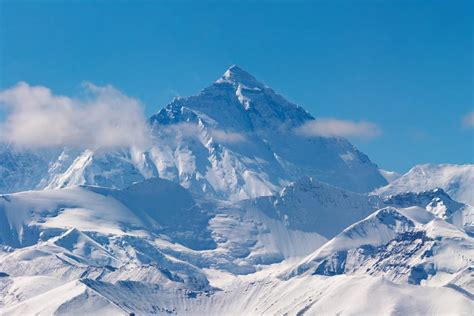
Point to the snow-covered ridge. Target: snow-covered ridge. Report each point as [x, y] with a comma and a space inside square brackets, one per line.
[234, 140]
[230, 211]
[408, 245]
[153, 248]
[456, 180]
[271, 154]
[314, 206]
[154, 226]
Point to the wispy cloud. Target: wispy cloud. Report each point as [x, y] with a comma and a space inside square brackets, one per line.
[227, 137]
[193, 130]
[468, 120]
[38, 118]
[327, 127]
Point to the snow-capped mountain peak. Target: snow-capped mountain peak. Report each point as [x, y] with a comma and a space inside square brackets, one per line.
[238, 101]
[230, 209]
[248, 130]
[234, 140]
[455, 180]
[404, 245]
[237, 76]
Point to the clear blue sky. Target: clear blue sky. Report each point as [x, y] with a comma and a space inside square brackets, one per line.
[405, 65]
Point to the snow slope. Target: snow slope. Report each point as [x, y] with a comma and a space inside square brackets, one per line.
[265, 295]
[407, 246]
[71, 298]
[245, 145]
[232, 212]
[234, 140]
[20, 170]
[154, 248]
[313, 206]
[151, 233]
[456, 180]
[438, 203]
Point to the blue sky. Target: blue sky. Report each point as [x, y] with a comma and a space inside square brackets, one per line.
[406, 66]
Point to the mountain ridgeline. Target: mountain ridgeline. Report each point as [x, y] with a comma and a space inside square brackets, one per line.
[234, 140]
[231, 211]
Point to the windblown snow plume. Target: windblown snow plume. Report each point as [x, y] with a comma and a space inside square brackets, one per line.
[329, 127]
[227, 137]
[192, 130]
[104, 118]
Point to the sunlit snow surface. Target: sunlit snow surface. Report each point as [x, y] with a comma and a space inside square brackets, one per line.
[456, 180]
[232, 213]
[234, 140]
[155, 249]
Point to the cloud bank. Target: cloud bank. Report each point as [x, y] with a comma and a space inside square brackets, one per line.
[330, 127]
[468, 120]
[37, 118]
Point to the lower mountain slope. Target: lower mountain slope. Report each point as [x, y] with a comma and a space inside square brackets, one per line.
[154, 248]
[405, 245]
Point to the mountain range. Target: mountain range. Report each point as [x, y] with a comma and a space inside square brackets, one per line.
[231, 210]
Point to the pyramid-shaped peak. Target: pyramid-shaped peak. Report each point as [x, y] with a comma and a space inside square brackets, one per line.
[237, 75]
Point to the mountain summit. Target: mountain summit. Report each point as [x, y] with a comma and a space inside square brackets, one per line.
[230, 209]
[237, 75]
[234, 140]
[248, 132]
[238, 101]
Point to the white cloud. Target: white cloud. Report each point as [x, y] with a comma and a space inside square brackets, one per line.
[193, 130]
[38, 118]
[180, 130]
[468, 120]
[227, 137]
[328, 127]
